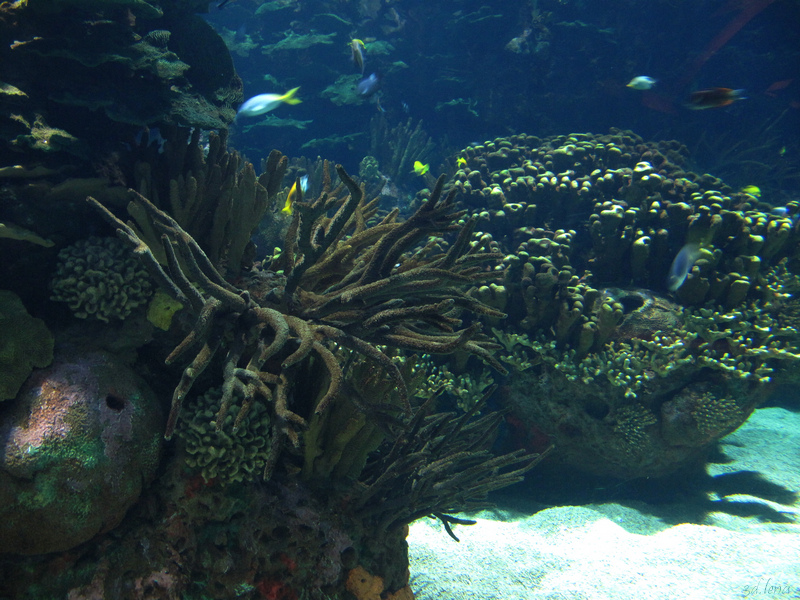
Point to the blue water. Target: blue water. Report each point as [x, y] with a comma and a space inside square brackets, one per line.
[568, 74]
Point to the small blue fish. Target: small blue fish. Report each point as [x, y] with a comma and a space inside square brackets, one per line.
[681, 266]
[643, 82]
[368, 86]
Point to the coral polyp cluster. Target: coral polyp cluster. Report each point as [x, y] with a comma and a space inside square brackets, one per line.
[590, 226]
[632, 204]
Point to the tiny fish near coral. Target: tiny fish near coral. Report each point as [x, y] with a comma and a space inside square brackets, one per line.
[683, 263]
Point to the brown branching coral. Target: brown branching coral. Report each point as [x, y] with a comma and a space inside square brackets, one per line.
[216, 197]
[439, 465]
[339, 281]
[396, 148]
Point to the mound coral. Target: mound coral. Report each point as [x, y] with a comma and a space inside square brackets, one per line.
[589, 225]
[80, 442]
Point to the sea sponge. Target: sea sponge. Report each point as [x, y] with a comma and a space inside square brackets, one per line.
[403, 593]
[100, 278]
[363, 585]
[161, 310]
[25, 342]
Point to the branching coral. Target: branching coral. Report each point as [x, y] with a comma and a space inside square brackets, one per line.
[216, 197]
[339, 281]
[441, 464]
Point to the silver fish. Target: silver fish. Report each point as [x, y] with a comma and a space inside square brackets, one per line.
[681, 266]
[368, 86]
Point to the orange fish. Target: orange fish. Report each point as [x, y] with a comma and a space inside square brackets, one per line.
[778, 86]
[714, 98]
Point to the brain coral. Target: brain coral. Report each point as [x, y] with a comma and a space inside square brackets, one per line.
[225, 455]
[100, 278]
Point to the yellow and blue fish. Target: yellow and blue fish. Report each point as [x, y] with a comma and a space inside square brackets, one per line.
[299, 187]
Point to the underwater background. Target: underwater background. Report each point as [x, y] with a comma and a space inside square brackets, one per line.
[473, 71]
[384, 300]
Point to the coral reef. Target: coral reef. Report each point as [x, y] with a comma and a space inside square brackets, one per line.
[589, 225]
[292, 536]
[100, 278]
[298, 477]
[323, 280]
[641, 207]
[25, 343]
[80, 442]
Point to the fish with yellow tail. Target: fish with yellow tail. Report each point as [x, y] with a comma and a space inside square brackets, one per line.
[299, 187]
[461, 162]
[682, 265]
[419, 168]
[357, 48]
[263, 103]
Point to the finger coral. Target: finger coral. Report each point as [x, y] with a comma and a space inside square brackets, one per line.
[602, 346]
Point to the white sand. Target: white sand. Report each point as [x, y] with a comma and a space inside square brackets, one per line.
[616, 552]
